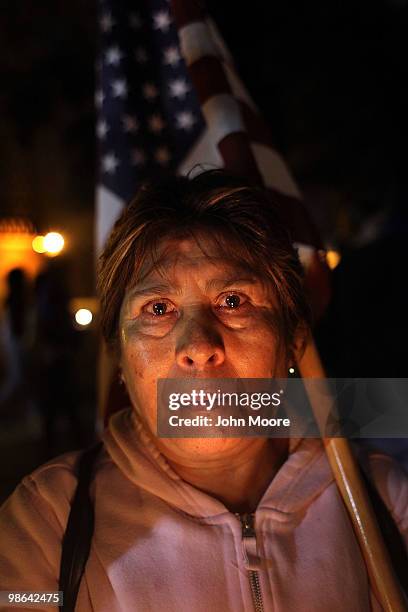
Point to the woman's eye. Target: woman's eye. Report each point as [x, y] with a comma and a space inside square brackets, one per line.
[159, 308]
[232, 301]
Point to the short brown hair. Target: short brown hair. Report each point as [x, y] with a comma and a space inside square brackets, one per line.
[214, 201]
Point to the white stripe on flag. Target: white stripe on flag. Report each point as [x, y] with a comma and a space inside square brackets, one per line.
[204, 155]
[108, 209]
[306, 253]
[223, 116]
[195, 42]
[274, 170]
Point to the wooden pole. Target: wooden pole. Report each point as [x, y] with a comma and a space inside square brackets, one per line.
[353, 492]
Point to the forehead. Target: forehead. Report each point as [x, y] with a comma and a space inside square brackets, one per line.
[175, 257]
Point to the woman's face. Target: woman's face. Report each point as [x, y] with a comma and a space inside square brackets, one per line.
[199, 316]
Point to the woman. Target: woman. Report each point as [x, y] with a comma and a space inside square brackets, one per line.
[199, 280]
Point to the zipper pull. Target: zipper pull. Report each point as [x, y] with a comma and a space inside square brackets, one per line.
[248, 524]
[252, 561]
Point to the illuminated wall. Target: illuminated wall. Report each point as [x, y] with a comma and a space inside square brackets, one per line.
[16, 251]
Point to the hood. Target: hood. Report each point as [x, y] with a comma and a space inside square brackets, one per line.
[303, 476]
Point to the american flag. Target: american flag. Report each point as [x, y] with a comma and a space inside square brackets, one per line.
[149, 116]
[169, 99]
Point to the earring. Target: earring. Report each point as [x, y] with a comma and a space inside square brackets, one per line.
[291, 372]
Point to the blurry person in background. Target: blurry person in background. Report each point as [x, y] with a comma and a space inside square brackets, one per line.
[15, 339]
[54, 358]
[199, 279]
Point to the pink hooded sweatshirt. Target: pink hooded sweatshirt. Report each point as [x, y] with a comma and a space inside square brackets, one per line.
[162, 545]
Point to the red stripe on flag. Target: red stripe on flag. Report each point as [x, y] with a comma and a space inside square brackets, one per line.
[208, 78]
[187, 12]
[255, 125]
[238, 157]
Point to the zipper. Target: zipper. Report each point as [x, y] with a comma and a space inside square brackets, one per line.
[249, 542]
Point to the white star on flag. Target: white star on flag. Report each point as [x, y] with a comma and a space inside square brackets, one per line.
[99, 98]
[119, 88]
[106, 22]
[102, 129]
[161, 21]
[178, 88]
[162, 156]
[156, 123]
[150, 91]
[109, 163]
[185, 120]
[138, 157]
[113, 56]
[135, 21]
[141, 55]
[130, 124]
[171, 56]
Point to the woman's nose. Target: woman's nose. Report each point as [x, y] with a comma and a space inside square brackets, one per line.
[200, 347]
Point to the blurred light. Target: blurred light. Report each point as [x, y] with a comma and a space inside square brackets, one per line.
[38, 244]
[53, 243]
[90, 303]
[333, 259]
[83, 316]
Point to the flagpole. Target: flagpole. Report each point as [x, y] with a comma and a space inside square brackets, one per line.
[347, 475]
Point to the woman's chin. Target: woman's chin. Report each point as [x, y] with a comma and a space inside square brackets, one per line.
[193, 450]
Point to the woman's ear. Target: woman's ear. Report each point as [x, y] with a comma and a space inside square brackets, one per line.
[300, 341]
[117, 395]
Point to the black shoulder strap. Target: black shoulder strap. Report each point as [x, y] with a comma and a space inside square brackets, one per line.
[390, 532]
[78, 534]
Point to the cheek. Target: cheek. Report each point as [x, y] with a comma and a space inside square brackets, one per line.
[257, 353]
[144, 361]
[140, 383]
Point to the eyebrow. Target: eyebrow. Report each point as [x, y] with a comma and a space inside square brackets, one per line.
[166, 288]
[160, 289]
[224, 283]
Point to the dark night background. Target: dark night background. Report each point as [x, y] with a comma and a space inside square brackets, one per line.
[331, 79]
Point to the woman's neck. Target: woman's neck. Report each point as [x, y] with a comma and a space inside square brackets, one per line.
[238, 482]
